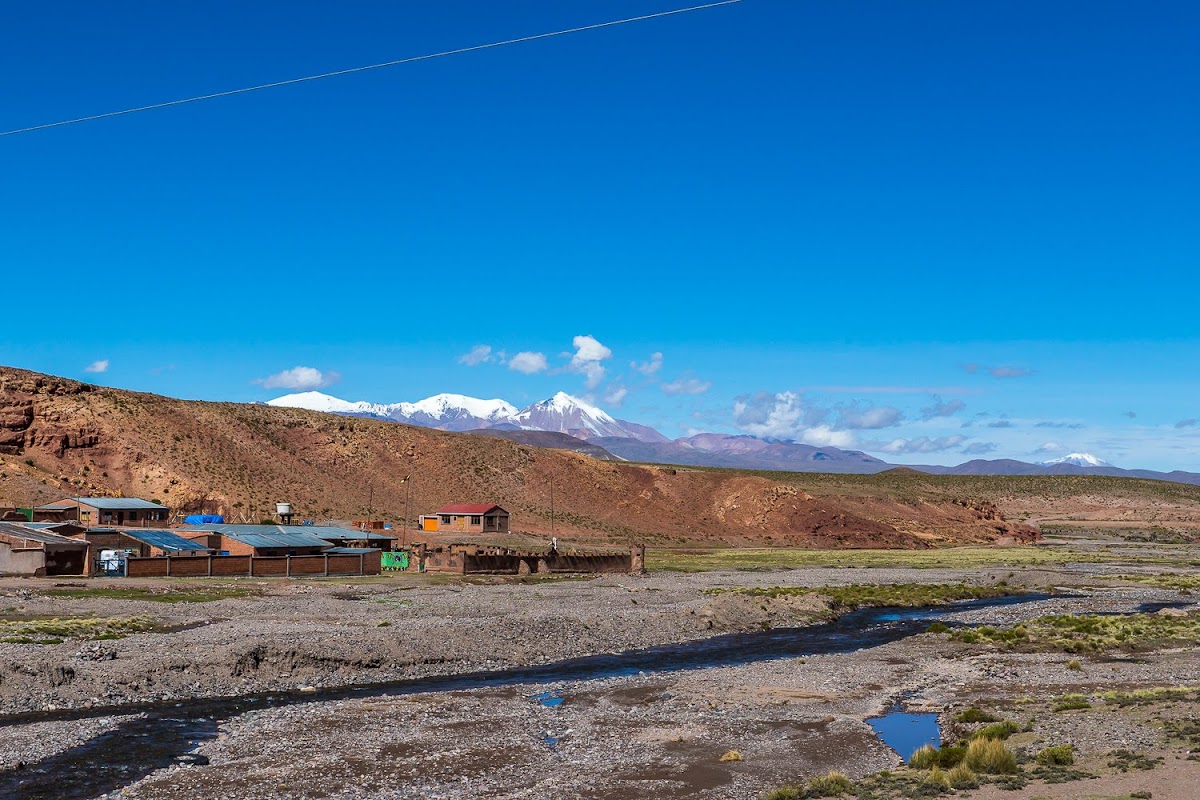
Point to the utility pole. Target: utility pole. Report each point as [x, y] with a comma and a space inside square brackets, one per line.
[552, 506]
[407, 499]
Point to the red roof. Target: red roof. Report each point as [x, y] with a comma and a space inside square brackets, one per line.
[467, 508]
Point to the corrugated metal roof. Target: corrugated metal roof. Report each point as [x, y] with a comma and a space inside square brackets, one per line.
[353, 551]
[163, 540]
[467, 508]
[268, 535]
[118, 503]
[19, 531]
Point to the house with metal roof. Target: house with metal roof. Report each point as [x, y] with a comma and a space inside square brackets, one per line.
[38, 551]
[128, 511]
[137, 542]
[332, 536]
[259, 540]
[470, 518]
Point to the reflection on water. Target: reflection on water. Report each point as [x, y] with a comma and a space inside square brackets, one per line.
[907, 731]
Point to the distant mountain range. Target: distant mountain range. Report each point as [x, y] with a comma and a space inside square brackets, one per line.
[584, 428]
[562, 413]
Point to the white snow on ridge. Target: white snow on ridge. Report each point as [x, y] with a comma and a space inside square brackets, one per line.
[318, 401]
[1078, 459]
[562, 413]
[442, 404]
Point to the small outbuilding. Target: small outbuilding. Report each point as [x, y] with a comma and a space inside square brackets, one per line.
[38, 552]
[127, 511]
[472, 518]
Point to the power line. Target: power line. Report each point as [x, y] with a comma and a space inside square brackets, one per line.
[382, 65]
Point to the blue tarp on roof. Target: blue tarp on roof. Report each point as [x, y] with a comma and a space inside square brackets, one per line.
[204, 519]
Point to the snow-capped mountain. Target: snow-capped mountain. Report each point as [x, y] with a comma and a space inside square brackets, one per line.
[566, 414]
[455, 412]
[1078, 460]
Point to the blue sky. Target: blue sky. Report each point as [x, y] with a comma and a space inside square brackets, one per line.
[831, 219]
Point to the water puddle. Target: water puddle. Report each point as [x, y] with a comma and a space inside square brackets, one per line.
[907, 731]
[548, 699]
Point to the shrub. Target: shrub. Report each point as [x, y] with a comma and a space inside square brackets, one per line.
[1075, 665]
[974, 714]
[937, 627]
[786, 793]
[1000, 730]
[731, 755]
[963, 777]
[923, 757]
[930, 757]
[990, 757]
[831, 784]
[1062, 755]
[937, 779]
[1072, 702]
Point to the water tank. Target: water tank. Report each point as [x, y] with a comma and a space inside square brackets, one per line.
[283, 508]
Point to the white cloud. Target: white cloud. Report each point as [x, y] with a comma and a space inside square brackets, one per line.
[586, 360]
[97, 366]
[528, 363]
[923, 444]
[776, 416]
[825, 436]
[686, 385]
[979, 448]
[1049, 447]
[479, 354]
[650, 367]
[855, 416]
[615, 395]
[299, 378]
[939, 409]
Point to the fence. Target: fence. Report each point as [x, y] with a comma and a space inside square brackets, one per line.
[322, 564]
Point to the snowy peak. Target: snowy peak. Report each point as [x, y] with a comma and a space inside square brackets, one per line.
[442, 405]
[561, 413]
[1078, 460]
[318, 401]
[566, 414]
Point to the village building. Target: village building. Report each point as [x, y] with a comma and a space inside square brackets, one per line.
[102, 511]
[330, 535]
[468, 518]
[134, 542]
[37, 551]
[259, 540]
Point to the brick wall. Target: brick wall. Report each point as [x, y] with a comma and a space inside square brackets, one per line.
[260, 567]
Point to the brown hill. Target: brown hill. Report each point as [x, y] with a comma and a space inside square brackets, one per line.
[59, 438]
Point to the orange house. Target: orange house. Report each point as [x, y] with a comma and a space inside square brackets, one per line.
[472, 518]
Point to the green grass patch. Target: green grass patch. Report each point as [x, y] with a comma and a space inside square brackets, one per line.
[1127, 760]
[1180, 583]
[904, 595]
[1157, 694]
[975, 714]
[55, 630]
[181, 594]
[999, 730]
[928, 756]
[990, 757]
[1089, 633]
[1071, 702]
[793, 558]
[1062, 755]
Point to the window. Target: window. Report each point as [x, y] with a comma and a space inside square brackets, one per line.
[476, 520]
[445, 519]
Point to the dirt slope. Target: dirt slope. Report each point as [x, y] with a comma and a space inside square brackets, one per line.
[60, 438]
